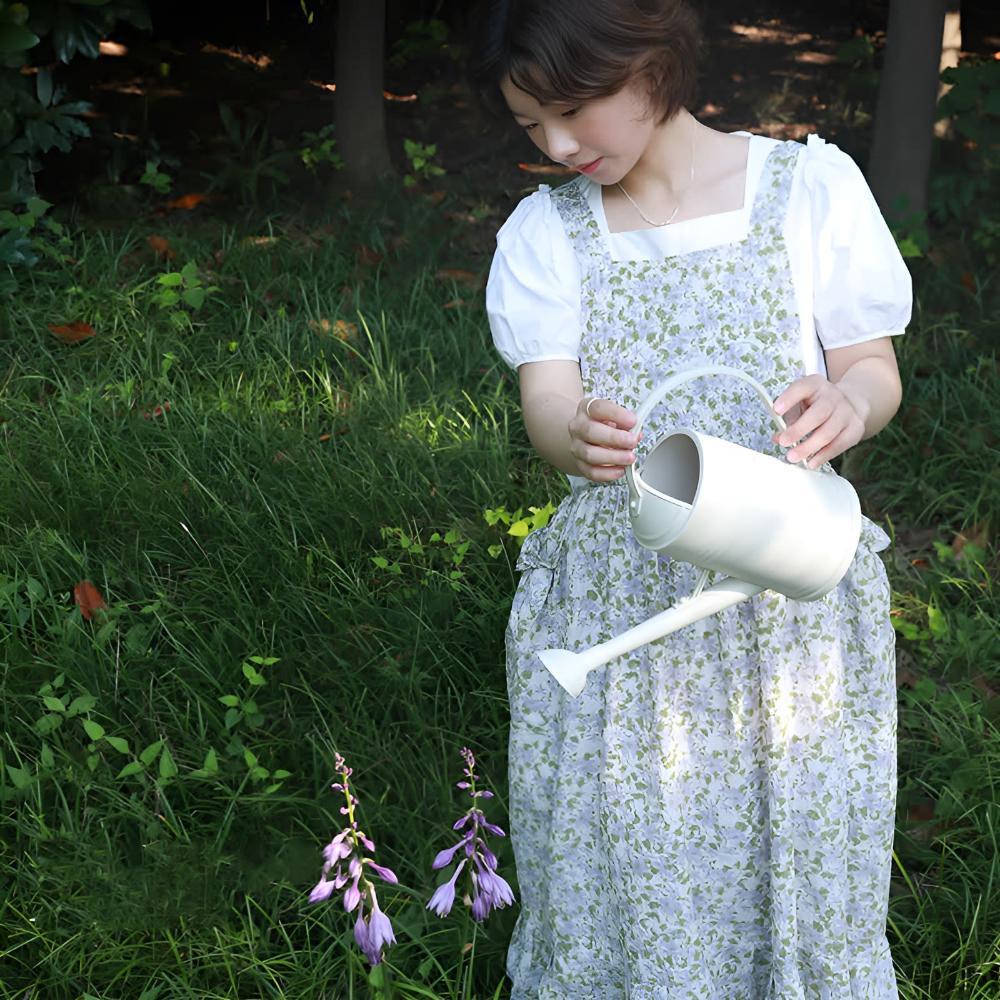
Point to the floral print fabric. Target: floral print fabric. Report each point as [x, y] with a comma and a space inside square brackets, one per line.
[712, 818]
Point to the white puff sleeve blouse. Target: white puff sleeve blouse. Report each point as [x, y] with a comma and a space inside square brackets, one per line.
[850, 282]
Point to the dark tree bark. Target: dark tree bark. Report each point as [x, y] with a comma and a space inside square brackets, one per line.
[900, 161]
[359, 105]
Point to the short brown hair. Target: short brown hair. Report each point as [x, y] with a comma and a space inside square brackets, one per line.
[578, 50]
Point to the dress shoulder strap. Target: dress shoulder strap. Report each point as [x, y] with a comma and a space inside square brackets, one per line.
[774, 189]
[578, 220]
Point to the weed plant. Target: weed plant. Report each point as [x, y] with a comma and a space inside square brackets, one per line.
[280, 491]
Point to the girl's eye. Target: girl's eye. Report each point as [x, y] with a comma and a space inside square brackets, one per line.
[528, 128]
[570, 113]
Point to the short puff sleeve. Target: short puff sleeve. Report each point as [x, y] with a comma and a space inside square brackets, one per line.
[533, 291]
[861, 286]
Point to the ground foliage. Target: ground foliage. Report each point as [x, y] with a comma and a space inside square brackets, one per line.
[264, 482]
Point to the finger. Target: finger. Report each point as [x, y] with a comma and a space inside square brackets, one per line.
[814, 416]
[604, 473]
[799, 391]
[608, 436]
[836, 447]
[592, 454]
[606, 409]
[817, 440]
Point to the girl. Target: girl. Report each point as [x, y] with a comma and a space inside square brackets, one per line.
[712, 819]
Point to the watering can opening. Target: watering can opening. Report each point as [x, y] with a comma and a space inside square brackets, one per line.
[672, 471]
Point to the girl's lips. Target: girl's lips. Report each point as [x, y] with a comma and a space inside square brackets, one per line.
[589, 168]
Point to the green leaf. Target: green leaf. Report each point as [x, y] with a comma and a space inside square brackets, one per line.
[189, 272]
[117, 743]
[149, 754]
[936, 621]
[43, 87]
[37, 207]
[168, 769]
[253, 675]
[93, 729]
[250, 757]
[47, 757]
[194, 297]
[54, 704]
[229, 700]
[280, 773]
[232, 717]
[19, 776]
[172, 279]
[47, 723]
[81, 703]
[211, 764]
[129, 769]
[16, 38]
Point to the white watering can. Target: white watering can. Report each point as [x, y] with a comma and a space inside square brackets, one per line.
[767, 524]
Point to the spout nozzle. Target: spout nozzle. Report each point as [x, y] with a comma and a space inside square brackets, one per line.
[570, 669]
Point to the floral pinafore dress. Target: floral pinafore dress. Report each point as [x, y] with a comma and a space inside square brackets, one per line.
[712, 818]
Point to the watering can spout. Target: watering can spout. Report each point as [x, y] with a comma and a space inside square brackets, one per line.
[571, 669]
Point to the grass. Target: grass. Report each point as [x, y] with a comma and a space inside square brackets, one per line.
[284, 508]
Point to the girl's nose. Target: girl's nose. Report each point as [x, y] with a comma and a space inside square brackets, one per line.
[561, 144]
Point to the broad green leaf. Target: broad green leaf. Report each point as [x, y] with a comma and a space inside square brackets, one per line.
[135, 767]
[211, 764]
[16, 38]
[253, 675]
[117, 743]
[168, 769]
[93, 729]
[250, 757]
[149, 754]
[229, 700]
[194, 297]
[54, 704]
[936, 621]
[47, 724]
[81, 703]
[19, 776]
[171, 279]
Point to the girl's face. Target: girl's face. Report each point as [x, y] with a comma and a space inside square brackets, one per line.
[602, 138]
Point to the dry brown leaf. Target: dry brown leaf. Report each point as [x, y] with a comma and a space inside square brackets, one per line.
[88, 599]
[547, 169]
[160, 245]
[977, 535]
[367, 256]
[73, 333]
[454, 304]
[188, 201]
[460, 276]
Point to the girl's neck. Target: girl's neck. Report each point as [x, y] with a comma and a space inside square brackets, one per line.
[663, 172]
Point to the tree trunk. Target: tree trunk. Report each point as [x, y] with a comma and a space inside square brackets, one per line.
[900, 161]
[359, 105]
[951, 49]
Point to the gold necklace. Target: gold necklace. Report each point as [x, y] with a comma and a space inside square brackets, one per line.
[677, 207]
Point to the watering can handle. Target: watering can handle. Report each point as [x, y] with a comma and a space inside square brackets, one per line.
[668, 385]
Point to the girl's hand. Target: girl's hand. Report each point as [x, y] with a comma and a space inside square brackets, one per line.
[600, 442]
[829, 420]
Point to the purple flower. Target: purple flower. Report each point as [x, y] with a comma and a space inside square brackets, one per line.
[488, 890]
[444, 895]
[375, 932]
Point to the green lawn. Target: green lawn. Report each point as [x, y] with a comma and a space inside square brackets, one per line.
[285, 507]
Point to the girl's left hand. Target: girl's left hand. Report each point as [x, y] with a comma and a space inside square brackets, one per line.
[828, 420]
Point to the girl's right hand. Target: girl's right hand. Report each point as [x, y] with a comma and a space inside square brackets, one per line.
[601, 442]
